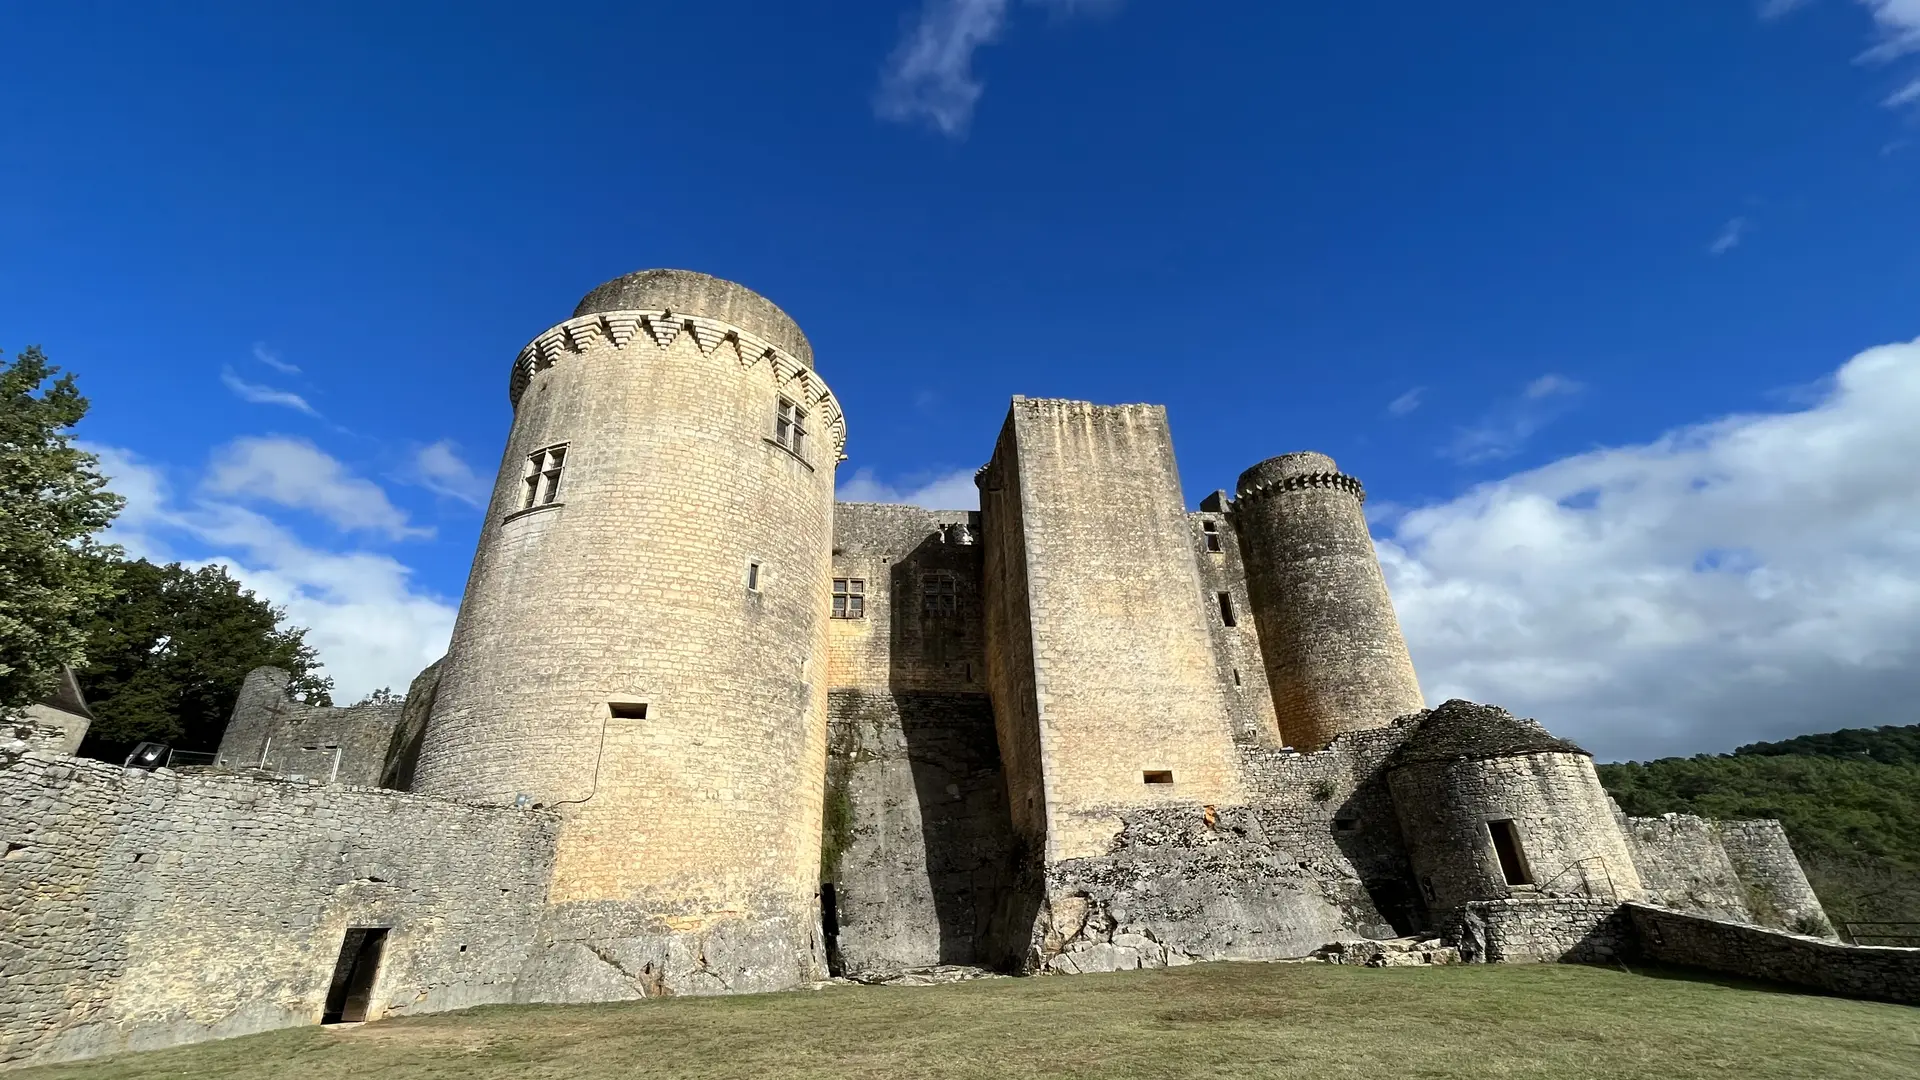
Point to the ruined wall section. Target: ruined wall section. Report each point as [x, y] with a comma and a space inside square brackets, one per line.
[1335, 656]
[1684, 866]
[683, 565]
[1877, 973]
[1129, 694]
[1238, 664]
[271, 732]
[145, 909]
[1777, 891]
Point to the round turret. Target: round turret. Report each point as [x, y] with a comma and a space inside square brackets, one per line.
[1492, 807]
[1334, 655]
[642, 641]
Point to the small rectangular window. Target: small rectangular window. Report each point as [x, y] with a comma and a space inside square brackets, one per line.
[627, 710]
[939, 595]
[790, 427]
[1513, 860]
[753, 577]
[1157, 776]
[1211, 530]
[1226, 609]
[849, 598]
[541, 478]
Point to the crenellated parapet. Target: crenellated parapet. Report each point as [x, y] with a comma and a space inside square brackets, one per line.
[1313, 481]
[660, 329]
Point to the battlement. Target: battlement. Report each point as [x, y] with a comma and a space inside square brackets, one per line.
[1296, 472]
[791, 375]
[694, 293]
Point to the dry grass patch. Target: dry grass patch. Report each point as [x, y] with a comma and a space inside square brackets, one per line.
[1209, 1020]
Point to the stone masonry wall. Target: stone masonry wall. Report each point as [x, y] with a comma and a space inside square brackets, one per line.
[1685, 867]
[692, 831]
[1013, 673]
[1238, 665]
[910, 636]
[1127, 685]
[1332, 643]
[923, 860]
[145, 909]
[1570, 841]
[276, 734]
[1777, 891]
[1862, 971]
[1527, 930]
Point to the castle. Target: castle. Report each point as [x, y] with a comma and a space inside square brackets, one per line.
[702, 729]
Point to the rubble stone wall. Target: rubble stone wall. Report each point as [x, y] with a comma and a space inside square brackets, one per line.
[144, 909]
[1560, 930]
[271, 732]
[1863, 971]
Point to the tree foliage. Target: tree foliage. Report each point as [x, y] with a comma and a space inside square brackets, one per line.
[1850, 801]
[52, 500]
[166, 658]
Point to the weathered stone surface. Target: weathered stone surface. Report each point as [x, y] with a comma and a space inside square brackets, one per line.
[1866, 971]
[142, 909]
[271, 733]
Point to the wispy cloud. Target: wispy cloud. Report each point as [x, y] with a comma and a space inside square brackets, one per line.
[370, 623]
[272, 359]
[1906, 95]
[1775, 9]
[1896, 34]
[257, 394]
[930, 78]
[439, 468]
[1505, 428]
[1406, 402]
[1729, 236]
[945, 491]
[296, 474]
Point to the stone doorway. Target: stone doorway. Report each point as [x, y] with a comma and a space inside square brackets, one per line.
[350, 995]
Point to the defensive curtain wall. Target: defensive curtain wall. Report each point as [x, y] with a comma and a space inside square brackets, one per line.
[701, 730]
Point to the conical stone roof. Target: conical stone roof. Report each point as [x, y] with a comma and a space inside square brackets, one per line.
[1463, 731]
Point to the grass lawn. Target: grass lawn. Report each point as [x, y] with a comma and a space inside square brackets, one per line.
[1208, 1020]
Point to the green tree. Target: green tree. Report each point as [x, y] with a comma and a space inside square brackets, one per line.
[166, 659]
[53, 574]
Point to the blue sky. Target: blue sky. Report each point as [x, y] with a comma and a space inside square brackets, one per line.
[1522, 268]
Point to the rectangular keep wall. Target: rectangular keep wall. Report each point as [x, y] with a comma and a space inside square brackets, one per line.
[916, 856]
[1084, 514]
[140, 910]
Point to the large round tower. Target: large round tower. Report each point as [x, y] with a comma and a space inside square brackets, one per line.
[1334, 655]
[642, 642]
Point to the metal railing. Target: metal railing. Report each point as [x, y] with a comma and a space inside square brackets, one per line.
[1905, 934]
[188, 759]
[1586, 883]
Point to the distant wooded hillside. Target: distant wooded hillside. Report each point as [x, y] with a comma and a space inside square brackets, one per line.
[1850, 801]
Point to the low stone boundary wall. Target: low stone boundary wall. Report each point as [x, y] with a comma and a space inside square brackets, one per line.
[1863, 971]
[1574, 930]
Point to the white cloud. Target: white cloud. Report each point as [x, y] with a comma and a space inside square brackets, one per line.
[295, 473]
[929, 77]
[1774, 9]
[948, 491]
[1507, 426]
[1729, 236]
[272, 359]
[439, 468]
[1906, 95]
[257, 394]
[1753, 577]
[1898, 23]
[369, 625]
[1406, 402]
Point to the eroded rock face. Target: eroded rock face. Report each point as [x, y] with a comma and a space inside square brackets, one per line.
[1176, 890]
